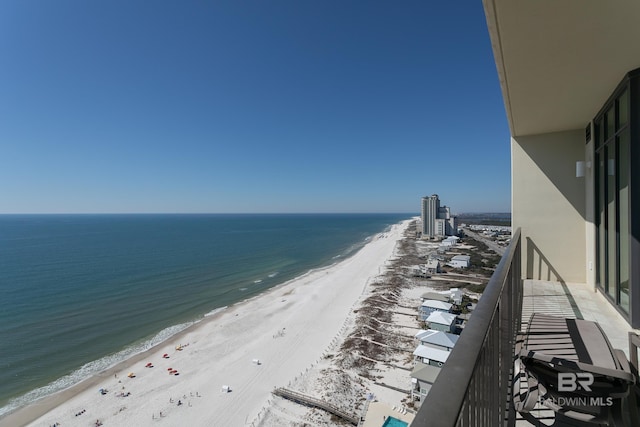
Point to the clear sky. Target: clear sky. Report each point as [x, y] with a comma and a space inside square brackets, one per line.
[249, 106]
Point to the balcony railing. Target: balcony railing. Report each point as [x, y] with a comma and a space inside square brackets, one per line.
[473, 387]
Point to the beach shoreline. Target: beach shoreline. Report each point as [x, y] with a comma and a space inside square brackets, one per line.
[286, 328]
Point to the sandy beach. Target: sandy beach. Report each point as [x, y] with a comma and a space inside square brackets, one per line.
[251, 347]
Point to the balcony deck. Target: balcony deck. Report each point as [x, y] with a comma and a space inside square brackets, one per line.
[575, 300]
[475, 385]
[570, 300]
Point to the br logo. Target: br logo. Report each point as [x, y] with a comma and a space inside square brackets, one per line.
[569, 381]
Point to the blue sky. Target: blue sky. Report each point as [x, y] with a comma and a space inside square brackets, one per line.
[249, 106]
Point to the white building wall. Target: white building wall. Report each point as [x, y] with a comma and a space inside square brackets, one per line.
[456, 263]
[548, 203]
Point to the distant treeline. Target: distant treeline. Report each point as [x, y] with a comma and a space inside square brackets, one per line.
[500, 218]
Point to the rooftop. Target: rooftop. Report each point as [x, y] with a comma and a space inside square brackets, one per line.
[433, 263]
[440, 338]
[440, 305]
[441, 318]
[431, 353]
[435, 296]
[425, 373]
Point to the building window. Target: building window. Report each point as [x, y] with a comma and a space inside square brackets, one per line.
[612, 161]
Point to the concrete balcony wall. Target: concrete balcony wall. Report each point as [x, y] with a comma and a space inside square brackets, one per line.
[548, 204]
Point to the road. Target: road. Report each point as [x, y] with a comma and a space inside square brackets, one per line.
[500, 250]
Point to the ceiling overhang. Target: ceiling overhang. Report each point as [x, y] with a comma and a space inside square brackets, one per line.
[559, 61]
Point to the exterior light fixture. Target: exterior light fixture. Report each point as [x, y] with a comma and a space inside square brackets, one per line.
[580, 168]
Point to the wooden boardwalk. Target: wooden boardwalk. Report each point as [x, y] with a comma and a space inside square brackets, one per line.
[316, 403]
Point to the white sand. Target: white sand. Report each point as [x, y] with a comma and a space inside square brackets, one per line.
[287, 329]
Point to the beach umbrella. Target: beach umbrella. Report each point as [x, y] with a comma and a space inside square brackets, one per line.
[148, 365]
[166, 356]
[169, 369]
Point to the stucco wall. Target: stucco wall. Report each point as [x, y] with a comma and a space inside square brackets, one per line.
[548, 204]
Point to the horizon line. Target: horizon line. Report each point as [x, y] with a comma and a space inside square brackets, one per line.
[207, 213]
[245, 213]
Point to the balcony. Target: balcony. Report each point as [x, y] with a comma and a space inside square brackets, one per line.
[474, 386]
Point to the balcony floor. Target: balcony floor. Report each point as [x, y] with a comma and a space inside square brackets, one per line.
[571, 300]
[575, 300]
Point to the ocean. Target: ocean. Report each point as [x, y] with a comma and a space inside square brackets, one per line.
[79, 293]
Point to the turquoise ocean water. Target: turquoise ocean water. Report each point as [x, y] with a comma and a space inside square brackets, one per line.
[79, 293]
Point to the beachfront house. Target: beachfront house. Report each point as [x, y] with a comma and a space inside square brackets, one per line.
[434, 296]
[433, 266]
[442, 321]
[460, 261]
[429, 306]
[456, 295]
[570, 78]
[450, 241]
[430, 356]
[425, 270]
[422, 378]
[418, 271]
[437, 339]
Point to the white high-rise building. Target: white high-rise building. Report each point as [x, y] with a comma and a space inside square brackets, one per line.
[437, 220]
[430, 210]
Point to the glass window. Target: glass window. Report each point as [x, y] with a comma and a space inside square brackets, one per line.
[611, 220]
[623, 217]
[613, 191]
[623, 110]
[610, 121]
[599, 130]
[600, 212]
